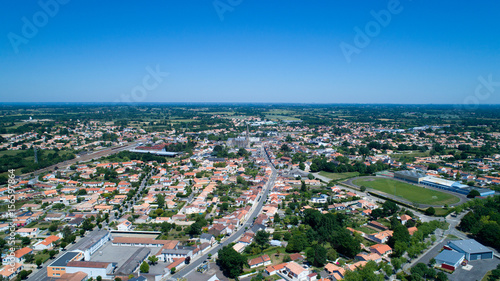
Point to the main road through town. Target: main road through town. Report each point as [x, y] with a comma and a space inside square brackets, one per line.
[194, 264]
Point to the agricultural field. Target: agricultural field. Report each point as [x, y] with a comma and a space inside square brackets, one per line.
[409, 192]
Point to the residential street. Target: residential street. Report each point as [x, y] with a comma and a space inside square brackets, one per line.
[198, 261]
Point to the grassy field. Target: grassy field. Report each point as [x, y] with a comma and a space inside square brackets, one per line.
[366, 230]
[281, 117]
[338, 176]
[409, 154]
[412, 193]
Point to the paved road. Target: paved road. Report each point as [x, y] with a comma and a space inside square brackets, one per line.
[194, 264]
[441, 236]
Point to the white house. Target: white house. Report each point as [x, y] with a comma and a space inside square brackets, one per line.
[125, 226]
[28, 232]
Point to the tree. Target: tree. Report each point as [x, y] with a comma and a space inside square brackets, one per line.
[362, 188]
[296, 243]
[400, 234]
[390, 207]
[172, 270]
[473, 194]
[441, 276]
[285, 148]
[52, 253]
[29, 258]
[332, 254]
[303, 186]
[38, 262]
[276, 235]
[345, 243]
[23, 274]
[430, 211]
[98, 278]
[365, 273]
[302, 166]
[286, 236]
[153, 259]
[230, 262]
[397, 263]
[489, 234]
[144, 268]
[194, 229]
[495, 274]
[160, 200]
[262, 238]
[317, 255]
[66, 232]
[277, 218]
[25, 241]
[53, 227]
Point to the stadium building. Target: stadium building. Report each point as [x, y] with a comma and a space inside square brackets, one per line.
[411, 176]
[454, 186]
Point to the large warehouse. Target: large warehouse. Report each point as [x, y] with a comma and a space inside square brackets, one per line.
[472, 249]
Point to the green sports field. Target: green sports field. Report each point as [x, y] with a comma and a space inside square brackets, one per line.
[410, 192]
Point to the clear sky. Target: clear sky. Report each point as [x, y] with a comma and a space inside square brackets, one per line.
[250, 51]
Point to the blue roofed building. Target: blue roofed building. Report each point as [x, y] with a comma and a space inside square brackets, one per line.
[472, 249]
[449, 259]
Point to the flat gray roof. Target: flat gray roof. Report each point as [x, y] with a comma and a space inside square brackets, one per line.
[133, 262]
[469, 246]
[94, 238]
[64, 259]
[449, 257]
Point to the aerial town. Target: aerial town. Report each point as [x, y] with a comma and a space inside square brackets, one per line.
[249, 193]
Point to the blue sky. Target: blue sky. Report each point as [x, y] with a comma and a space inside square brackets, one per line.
[260, 51]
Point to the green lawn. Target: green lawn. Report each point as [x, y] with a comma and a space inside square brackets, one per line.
[366, 230]
[412, 193]
[338, 176]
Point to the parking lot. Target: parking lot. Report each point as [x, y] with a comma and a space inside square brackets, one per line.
[479, 268]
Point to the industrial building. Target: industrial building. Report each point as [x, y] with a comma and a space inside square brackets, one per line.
[449, 259]
[472, 249]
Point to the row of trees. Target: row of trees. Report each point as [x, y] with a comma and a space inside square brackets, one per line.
[484, 221]
[322, 164]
